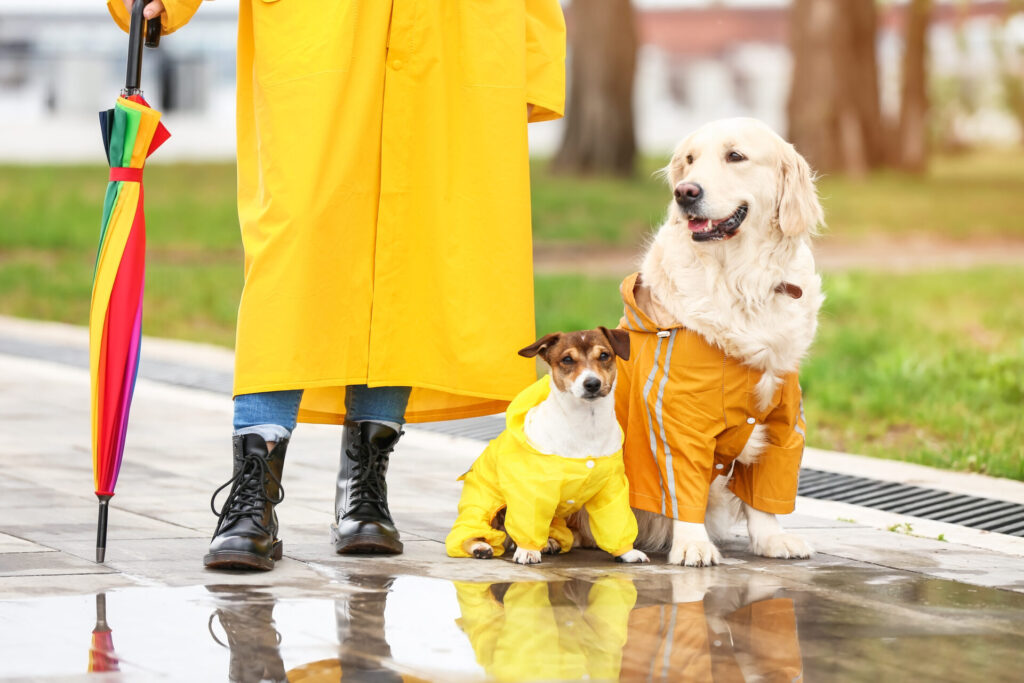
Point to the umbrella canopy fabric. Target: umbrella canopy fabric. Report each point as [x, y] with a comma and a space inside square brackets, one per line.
[131, 132]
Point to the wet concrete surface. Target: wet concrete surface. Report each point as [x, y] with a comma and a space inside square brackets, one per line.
[870, 605]
[822, 621]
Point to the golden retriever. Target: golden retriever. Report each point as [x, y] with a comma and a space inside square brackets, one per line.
[732, 262]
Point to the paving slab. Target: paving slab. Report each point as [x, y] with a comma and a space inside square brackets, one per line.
[869, 605]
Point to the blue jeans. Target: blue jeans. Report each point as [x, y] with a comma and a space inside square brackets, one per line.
[272, 414]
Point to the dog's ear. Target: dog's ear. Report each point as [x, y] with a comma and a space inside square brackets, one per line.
[541, 345]
[619, 339]
[799, 210]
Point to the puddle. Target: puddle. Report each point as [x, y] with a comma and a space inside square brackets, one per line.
[722, 625]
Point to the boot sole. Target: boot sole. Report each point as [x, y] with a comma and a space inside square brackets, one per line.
[239, 560]
[365, 544]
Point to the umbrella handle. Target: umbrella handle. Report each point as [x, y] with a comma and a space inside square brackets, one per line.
[136, 38]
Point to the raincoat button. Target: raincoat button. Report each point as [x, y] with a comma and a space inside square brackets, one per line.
[396, 64]
[719, 466]
[590, 464]
[571, 502]
[751, 420]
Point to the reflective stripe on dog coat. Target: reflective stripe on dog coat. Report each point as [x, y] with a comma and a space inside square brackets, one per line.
[688, 409]
[540, 490]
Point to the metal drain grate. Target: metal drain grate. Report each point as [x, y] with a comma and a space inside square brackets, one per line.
[988, 514]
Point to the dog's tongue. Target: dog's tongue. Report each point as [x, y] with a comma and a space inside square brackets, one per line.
[698, 226]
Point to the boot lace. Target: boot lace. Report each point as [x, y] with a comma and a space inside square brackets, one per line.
[248, 495]
[368, 480]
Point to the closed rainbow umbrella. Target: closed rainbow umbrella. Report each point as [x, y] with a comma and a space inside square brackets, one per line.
[131, 132]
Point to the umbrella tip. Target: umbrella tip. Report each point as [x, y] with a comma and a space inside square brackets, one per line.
[100, 554]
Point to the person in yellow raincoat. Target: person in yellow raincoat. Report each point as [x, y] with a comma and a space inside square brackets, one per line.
[688, 410]
[538, 491]
[383, 196]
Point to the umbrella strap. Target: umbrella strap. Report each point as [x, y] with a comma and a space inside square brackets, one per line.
[132, 175]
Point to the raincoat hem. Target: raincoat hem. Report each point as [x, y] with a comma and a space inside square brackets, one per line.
[543, 111]
[684, 513]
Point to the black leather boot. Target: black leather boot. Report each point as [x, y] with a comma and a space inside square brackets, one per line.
[247, 616]
[363, 522]
[246, 534]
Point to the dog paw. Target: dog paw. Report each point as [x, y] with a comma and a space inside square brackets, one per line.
[552, 548]
[695, 554]
[784, 546]
[523, 556]
[632, 556]
[481, 551]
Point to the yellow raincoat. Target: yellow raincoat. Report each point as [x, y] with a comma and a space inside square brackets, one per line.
[562, 640]
[383, 195]
[539, 491]
[688, 409]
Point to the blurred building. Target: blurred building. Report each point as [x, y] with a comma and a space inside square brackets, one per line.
[63, 60]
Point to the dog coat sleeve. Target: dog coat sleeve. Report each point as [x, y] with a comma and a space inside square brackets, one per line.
[770, 484]
[611, 520]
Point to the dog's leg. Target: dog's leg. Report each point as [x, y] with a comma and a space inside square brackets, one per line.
[691, 546]
[552, 548]
[523, 556]
[632, 556]
[768, 539]
[478, 548]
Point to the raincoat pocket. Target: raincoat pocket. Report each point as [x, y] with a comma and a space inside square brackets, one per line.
[293, 40]
[490, 33]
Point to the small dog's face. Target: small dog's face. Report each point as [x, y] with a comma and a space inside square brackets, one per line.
[738, 172]
[582, 363]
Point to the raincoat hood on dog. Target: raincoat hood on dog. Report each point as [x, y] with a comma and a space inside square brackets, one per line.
[539, 490]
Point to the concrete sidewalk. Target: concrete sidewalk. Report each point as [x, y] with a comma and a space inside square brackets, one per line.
[869, 603]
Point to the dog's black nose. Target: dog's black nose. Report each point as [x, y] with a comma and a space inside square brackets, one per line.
[592, 385]
[688, 193]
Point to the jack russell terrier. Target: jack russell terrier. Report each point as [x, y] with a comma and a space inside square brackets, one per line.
[560, 453]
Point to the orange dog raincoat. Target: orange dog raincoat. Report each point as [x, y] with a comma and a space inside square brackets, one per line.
[688, 409]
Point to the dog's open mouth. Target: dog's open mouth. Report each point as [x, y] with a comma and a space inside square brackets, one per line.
[708, 230]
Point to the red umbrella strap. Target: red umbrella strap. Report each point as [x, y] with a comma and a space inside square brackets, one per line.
[132, 175]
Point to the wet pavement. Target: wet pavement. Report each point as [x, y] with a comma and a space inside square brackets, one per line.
[870, 605]
[821, 621]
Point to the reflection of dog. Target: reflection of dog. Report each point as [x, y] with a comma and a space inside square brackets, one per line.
[558, 631]
[723, 309]
[561, 451]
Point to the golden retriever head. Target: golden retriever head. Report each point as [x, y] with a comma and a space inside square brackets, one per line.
[737, 175]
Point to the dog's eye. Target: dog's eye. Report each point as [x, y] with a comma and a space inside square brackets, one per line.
[568, 360]
[604, 356]
[735, 156]
[689, 158]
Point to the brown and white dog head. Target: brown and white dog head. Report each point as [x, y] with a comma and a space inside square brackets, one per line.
[737, 175]
[582, 363]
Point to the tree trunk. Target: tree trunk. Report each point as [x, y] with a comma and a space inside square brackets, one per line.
[834, 114]
[912, 141]
[599, 135]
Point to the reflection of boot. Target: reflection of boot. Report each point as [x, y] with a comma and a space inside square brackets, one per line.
[363, 521]
[246, 534]
[247, 617]
[362, 646]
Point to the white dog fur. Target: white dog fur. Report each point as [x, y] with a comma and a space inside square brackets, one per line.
[725, 291]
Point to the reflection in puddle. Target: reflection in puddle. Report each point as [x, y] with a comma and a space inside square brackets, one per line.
[701, 625]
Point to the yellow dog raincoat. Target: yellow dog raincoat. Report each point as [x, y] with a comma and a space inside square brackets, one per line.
[688, 409]
[538, 491]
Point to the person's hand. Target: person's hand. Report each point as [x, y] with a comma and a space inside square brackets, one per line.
[152, 11]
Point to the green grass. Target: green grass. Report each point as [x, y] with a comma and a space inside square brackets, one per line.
[927, 368]
[970, 195]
